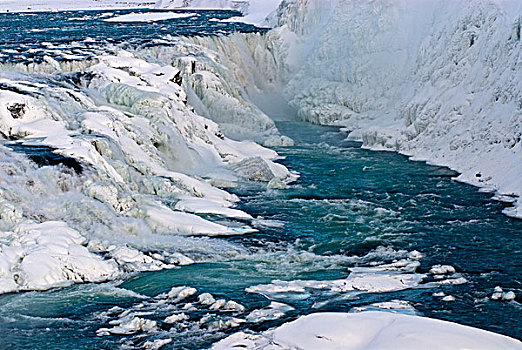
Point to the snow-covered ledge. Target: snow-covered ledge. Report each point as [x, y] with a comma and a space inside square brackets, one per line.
[369, 330]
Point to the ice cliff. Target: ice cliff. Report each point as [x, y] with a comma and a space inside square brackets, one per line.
[437, 80]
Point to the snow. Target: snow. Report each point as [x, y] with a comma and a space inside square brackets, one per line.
[138, 143]
[396, 276]
[149, 17]
[40, 256]
[369, 330]
[435, 80]
[129, 326]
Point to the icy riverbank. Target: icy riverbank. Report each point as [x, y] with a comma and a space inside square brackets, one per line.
[61, 5]
[439, 81]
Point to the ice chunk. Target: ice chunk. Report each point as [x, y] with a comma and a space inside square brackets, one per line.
[442, 269]
[181, 293]
[176, 318]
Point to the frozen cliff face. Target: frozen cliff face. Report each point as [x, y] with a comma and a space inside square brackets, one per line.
[440, 81]
[221, 73]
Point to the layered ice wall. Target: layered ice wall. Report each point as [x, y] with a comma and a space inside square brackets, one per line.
[220, 74]
[437, 80]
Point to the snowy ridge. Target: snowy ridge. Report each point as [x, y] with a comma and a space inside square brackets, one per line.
[439, 81]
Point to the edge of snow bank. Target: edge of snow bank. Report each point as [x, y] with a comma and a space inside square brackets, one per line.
[369, 330]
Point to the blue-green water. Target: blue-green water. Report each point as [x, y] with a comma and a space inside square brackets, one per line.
[350, 207]
[77, 35]
[348, 202]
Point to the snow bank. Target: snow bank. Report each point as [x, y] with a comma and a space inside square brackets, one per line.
[436, 80]
[369, 330]
[46, 255]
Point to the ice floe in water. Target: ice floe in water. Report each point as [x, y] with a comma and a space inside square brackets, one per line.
[374, 279]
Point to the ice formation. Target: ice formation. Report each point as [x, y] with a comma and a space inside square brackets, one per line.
[369, 330]
[434, 80]
[126, 143]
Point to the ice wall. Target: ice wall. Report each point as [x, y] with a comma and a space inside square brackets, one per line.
[221, 73]
[437, 80]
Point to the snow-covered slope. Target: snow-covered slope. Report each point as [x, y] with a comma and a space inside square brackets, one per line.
[438, 80]
[369, 330]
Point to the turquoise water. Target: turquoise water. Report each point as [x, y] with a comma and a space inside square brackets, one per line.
[78, 35]
[350, 207]
[347, 203]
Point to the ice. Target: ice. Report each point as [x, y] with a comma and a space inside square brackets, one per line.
[442, 269]
[369, 330]
[57, 5]
[181, 293]
[272, 312]
[133, 260]
[176, 318]
[205, 206]
[499, 294]
[138, 143]
[254, 11]
[156, 344]
[130, 326]
[149, 17]
[374, 279]
[50, 254]
[206, 299]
